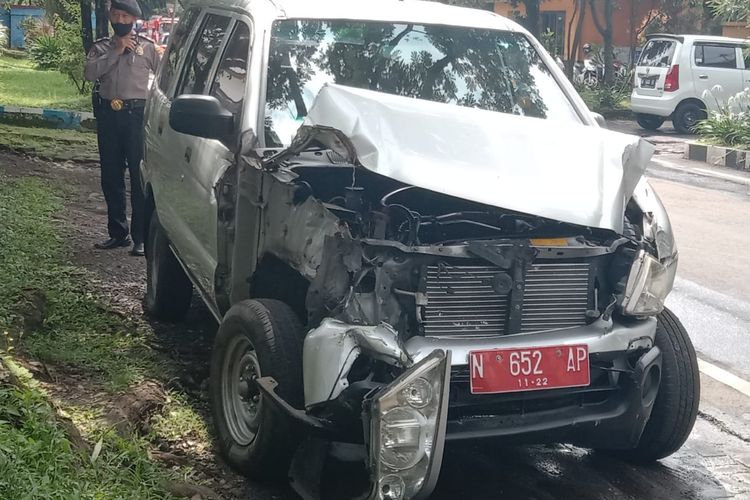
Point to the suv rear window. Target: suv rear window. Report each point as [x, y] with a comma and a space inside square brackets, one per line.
[658, 54]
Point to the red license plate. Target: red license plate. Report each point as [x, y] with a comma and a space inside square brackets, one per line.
[530, 369]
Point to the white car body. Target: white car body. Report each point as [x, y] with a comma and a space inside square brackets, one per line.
[674, 71]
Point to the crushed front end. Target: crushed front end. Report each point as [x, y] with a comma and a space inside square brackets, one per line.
[415, 296]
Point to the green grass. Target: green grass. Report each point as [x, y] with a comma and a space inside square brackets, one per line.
[37, 459]
[180, 421]
[22, 85]
[77, 329]
[49, 143]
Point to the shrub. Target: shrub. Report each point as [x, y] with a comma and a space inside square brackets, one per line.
[3, 37]
[34, 28]
[45, 52]
[603, 97]
[72, 57]
[730, 124]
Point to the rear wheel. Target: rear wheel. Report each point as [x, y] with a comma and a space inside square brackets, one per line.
[649, 122]
[257, 338]
[687, 116]
[168, 289]
[676, 405]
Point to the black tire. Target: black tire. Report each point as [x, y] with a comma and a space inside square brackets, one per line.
[168, 289]
[649, 122]
[687, 116]
[261, 446]
[676, 405]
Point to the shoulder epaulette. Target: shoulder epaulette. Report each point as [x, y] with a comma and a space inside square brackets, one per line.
[103, 39]
[147, 38]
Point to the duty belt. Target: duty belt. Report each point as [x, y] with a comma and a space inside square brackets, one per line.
[120, 104]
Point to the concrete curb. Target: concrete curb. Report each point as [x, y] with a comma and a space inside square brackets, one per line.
[720, 156]
[48, 117]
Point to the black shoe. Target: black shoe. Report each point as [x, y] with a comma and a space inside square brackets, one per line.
[137, 250]
[113, 243]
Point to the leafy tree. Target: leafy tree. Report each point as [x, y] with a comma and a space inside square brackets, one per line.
[731, 10]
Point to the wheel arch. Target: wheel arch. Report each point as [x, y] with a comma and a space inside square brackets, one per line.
[275, 279]
[691, 100]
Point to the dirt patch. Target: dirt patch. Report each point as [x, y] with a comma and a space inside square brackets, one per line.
[132, 410]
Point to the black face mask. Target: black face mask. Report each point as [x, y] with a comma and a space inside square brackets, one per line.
[122, 29]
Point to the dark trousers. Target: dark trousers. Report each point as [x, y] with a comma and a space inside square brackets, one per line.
[120, 136]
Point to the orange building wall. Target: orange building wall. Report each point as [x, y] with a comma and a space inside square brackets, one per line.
[589, 34]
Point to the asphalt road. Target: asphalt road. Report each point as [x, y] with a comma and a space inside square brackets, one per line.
[709, 209]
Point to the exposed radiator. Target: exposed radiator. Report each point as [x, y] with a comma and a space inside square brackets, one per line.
[461, 300]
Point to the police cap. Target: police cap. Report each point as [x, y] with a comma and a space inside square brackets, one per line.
[129, 6]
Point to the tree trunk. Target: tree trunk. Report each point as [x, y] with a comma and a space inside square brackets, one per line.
[102, 18]
[86, 32]
[573, 49]
[605, 29]
[533, 17]
[609, 48]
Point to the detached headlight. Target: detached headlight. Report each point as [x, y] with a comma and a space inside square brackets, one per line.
[649, 283]
[407, 430]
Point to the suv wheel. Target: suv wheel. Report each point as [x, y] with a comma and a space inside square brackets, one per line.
[256, 338]
[676, 405]
[649, 122]
[168, 289]
[687, 116]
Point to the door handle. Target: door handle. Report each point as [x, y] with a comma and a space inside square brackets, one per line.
[703, 77]
[188, 154]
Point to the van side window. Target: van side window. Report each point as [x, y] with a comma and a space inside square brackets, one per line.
[202, 55]
[229, 84]
[177, 47]
[716, 56]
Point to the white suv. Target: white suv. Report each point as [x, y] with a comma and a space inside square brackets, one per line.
[675, 70]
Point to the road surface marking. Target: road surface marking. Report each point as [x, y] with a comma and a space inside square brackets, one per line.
[701, 171]
[744, 180]
[723, 376]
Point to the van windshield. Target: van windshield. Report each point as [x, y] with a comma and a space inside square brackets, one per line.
[657, 54]
[487, 69]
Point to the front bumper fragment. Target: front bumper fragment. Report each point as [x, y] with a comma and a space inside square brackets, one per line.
[602, 336]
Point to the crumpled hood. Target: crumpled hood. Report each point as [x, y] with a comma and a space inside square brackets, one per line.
[572, 173]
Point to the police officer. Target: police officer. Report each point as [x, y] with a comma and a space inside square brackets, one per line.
[121, 66]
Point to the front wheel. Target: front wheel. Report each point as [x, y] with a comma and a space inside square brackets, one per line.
[257, 338]
[687, 116]
[649, 122]
[676, 405]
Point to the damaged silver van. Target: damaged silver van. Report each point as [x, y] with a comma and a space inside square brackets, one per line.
[411, 230]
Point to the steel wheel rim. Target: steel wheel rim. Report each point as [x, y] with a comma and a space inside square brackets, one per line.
[691, 119]
[241, 399]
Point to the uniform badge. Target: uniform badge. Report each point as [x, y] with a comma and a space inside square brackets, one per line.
[116, 104]
[139, 50]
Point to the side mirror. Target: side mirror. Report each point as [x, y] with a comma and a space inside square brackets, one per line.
[600, 120]
[201, 116]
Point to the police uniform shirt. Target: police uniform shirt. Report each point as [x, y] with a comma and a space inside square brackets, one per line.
[122, 76]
